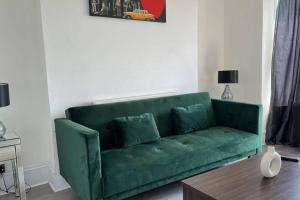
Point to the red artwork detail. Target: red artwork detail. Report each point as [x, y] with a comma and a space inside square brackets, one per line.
[155, 7]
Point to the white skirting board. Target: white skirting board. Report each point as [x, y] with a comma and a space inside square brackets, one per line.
[34, 176]
[58, 183]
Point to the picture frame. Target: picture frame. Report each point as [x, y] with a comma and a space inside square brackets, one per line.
[142, 10]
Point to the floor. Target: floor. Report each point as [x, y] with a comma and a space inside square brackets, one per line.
[169, 192]
[44, 192]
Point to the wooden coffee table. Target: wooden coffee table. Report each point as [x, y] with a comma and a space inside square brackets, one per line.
[243, 181]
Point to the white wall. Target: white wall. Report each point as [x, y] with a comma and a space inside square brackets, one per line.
[90, 58]
[237, 34]
[268, 36]
[211, 45]
[249, 31]
[230, 37]
[22, 65]
[243, 46]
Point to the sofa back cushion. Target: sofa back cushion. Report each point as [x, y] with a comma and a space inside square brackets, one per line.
[99, 117]
[189, 119]
[132, 130]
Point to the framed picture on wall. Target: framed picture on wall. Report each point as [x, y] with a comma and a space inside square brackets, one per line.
[143, 10]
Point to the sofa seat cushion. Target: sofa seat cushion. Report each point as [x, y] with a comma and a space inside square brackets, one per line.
[125, 169]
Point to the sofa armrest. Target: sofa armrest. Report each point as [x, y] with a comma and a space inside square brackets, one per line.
[79, 158]
[242, 116]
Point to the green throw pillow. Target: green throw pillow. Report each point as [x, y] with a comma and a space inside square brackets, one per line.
[133, 130]
[189, 119]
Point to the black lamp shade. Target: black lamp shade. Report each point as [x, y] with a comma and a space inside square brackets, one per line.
[228, 76]
[4, 95]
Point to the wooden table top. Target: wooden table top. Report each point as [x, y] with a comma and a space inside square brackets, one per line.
[243, 181]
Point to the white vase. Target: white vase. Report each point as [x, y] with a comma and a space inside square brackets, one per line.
[270, 163]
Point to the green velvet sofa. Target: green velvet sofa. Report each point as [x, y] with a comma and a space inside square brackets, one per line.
[96, 169]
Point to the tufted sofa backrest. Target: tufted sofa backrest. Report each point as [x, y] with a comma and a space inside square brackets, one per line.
[99, 117]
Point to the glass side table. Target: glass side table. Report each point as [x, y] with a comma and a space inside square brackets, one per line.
[10, 150]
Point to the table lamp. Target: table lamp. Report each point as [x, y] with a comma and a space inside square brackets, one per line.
[228, 77]
[4, 101]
